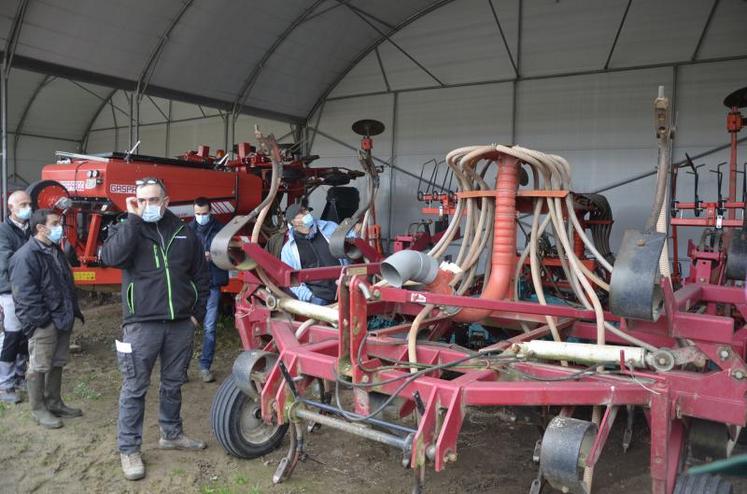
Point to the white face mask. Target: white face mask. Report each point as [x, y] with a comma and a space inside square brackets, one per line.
[152, 213]
[202, 219]
[24, 213]
[55, 234]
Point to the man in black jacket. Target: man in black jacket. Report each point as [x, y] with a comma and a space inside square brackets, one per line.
[14, 232]
[206, 227]
[165, 284]
[47, 305]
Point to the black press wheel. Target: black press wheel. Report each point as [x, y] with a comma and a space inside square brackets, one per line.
[238, 426]
[702, 484]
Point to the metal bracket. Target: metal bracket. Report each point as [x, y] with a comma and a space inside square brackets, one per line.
[635, 289]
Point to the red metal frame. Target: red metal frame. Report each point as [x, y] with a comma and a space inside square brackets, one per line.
[98, 190]
[670, 397]
[709, 266]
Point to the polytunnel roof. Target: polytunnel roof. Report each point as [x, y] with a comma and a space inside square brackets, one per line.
[281, 59]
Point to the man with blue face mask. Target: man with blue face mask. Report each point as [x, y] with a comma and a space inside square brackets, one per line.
[308, 247]
[165, 285]
[47, 306]
[206, 227]
[14, 232]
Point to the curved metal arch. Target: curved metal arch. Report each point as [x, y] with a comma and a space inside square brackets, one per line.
[414, 17]
[150, 65]
[104, 102]
[249, 82]
[13, 35]
[22, 121]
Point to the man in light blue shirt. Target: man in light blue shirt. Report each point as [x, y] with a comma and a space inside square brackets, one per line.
[308, 247]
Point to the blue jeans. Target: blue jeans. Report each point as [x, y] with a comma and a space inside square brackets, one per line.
[211, 320]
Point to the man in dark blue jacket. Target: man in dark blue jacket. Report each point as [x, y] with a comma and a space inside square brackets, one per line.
[164, 291]
[47, 306]
[206, 227]
[14, 232]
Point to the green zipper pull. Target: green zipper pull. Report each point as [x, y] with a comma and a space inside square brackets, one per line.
[155, 256]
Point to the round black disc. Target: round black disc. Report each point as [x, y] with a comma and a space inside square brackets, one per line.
[738, 98]
[368, 127]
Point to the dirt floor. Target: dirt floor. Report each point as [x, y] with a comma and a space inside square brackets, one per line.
[495, 453]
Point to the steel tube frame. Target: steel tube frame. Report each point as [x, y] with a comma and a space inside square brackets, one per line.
[325, 353]
[358, 430]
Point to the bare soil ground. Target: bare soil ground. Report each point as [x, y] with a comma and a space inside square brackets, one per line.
[495, 455]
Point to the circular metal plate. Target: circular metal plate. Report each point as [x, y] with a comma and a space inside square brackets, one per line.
[251, 426]
[368, 127]
[738, 98]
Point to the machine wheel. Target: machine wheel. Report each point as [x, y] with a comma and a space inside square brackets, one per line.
[565, 446]
[237, 425]
[47, 194]
[702, 484]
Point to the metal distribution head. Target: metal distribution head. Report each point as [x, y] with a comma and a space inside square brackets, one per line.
[368, 127]
[736, 99]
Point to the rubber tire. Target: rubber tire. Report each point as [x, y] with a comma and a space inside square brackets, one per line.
[225, 420]
[702, 484]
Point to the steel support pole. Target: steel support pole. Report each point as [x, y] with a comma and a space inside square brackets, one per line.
[389, 235]
[4, 124]
[129, 119]
[168, 130]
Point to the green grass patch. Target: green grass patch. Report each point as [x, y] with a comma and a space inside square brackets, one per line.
[84, 391]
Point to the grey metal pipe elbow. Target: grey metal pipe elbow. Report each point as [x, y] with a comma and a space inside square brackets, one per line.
[409, 265]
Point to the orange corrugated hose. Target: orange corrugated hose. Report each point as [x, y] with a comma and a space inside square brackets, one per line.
[504, 235]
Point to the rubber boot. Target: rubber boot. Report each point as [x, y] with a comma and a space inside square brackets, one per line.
[54, 396]
[42, 416]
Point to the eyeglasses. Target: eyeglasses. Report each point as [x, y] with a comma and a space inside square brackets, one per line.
[148, 181]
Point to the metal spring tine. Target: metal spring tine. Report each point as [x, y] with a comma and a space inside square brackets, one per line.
[434, 175]
[448, 175]
[420, 179]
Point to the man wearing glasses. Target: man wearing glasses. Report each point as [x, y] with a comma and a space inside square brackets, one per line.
[165, 285]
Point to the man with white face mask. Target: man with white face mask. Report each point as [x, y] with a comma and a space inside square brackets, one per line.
[308, 247]
[14, 232]
[165, 285]
[47, 306]
[206, 227]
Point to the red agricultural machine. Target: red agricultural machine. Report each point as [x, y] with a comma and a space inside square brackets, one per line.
[91, 191]
[653, 345]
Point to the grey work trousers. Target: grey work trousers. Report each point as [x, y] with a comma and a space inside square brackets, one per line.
[172, 341]
[48, 348]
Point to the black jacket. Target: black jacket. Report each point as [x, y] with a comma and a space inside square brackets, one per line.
[165, 275]
[206, 234]
[12, 238]
[43, 288]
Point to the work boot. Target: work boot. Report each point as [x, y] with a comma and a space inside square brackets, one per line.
[181, 442]
[132, 466]
[206, 376]
[54, 396]
[9, 396]
[39, 412]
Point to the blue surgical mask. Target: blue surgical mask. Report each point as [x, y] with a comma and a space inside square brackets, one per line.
[55, 234]
[202, 219]
[24, 213]
[152, 213]
[307, 220]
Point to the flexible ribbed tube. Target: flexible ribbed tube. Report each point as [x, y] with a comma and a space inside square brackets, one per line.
[504, 239]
